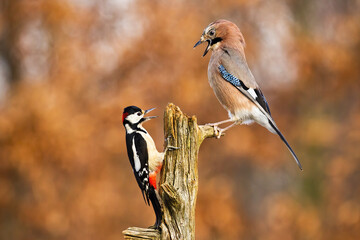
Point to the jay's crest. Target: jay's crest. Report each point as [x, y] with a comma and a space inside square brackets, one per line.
[227, 31]
[221, 33]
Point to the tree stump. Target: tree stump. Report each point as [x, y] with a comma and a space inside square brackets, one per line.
[178, 184]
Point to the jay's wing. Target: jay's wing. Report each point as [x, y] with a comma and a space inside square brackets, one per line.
[234, 69]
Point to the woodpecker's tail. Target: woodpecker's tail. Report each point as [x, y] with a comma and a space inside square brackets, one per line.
[157, 207]
[287, 144]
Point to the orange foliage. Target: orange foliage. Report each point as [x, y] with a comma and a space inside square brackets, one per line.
[68, 68]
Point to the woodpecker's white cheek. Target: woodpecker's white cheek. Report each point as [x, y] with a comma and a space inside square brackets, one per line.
[133, 118]
[136, 157]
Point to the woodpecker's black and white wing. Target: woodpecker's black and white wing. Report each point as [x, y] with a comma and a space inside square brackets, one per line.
[138, 156]
[234, 69]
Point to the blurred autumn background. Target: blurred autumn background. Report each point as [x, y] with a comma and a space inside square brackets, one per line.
[69, 67]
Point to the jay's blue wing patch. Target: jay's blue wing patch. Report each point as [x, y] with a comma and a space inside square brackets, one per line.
[256, 96]
[255, 93]
[231, 78]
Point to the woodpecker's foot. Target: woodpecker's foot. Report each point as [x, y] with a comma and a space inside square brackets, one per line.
[171, 148]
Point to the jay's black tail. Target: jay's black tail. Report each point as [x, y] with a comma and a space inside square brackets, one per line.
[287, 144]
[157, 207]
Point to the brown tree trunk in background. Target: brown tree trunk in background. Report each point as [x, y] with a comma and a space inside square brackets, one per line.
[179, 178]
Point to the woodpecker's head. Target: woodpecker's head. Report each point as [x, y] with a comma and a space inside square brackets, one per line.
[134, 116]
[221, 32]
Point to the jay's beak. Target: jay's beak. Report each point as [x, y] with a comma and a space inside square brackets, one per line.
[198, 43]
[148, 118]
[201, 41]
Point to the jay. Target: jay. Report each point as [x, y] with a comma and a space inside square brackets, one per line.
[232, 81]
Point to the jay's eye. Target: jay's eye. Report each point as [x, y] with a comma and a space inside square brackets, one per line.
[138, 114]
[211, 33]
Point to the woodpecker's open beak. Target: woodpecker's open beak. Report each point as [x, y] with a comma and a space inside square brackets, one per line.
[201, 41]
[148, 118]
[149, 110]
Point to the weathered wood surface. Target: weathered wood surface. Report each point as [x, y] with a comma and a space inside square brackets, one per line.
[141, 233]
[178, 184]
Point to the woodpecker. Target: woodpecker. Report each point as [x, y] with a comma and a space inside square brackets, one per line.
[144, 158]
[232, 81]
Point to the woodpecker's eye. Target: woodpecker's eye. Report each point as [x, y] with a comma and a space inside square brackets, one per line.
[139, 114]
[211, 33]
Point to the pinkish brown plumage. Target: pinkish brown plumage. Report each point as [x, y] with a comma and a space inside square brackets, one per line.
[232, 81]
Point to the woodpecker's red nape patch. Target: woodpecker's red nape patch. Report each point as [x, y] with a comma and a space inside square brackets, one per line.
[125, 114]
[152, 179]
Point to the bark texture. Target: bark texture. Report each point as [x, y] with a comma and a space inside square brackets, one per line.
[178, 184]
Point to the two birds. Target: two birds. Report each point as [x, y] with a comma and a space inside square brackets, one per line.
[234, 86]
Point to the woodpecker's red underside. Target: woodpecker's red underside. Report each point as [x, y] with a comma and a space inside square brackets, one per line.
[152, 179]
